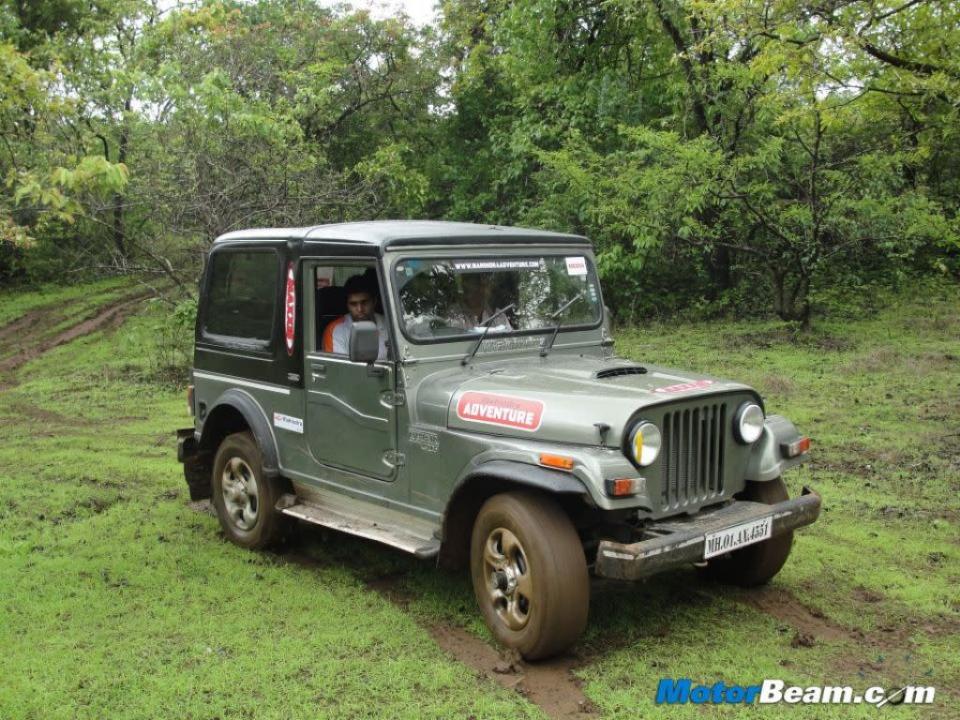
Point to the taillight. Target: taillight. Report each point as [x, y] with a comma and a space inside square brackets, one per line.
[190, 407]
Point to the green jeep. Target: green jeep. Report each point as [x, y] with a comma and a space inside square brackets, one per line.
[451, 390]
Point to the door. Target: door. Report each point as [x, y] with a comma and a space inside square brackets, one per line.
[350, 414]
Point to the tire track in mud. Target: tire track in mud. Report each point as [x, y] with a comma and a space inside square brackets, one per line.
[889, 652]
[28, 330]
[549, 684]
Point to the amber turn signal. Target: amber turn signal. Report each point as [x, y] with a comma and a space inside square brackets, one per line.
[797, 447]
[560, 462]
[622, 487]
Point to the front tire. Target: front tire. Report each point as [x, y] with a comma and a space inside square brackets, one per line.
[755, 564]
[529, 574]
[244, 499]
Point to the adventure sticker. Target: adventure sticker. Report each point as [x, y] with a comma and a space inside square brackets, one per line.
[684, 387]
[502, 410]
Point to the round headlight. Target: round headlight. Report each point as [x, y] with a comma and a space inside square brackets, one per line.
[645, 443]
[748, 424]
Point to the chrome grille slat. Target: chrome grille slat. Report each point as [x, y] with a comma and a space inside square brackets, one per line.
[693, 443]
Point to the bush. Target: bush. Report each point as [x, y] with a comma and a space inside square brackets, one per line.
[173, 333]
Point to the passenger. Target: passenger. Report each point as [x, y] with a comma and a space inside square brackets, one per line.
[361, 305]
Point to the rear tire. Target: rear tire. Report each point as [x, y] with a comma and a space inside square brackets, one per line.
[529, 574]
[244, 499]
[755, 564]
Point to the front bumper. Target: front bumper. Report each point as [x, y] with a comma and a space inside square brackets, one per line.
[679, 542]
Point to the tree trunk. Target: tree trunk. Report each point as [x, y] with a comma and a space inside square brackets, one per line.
[119, 225]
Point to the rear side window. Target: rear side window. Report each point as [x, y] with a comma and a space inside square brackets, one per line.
[242, 295]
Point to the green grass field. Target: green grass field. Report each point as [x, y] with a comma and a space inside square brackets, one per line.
[117, 599]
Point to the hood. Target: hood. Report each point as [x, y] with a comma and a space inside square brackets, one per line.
[561, 398]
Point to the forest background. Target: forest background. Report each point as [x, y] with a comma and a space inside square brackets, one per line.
[749, 157]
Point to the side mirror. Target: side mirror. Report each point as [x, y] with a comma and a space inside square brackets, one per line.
[364, 342]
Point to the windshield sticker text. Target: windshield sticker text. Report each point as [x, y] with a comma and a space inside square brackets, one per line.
[503, 410]
[511, 343]
[511, 264]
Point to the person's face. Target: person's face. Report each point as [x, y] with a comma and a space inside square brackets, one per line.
[475, 287]
[360, 306]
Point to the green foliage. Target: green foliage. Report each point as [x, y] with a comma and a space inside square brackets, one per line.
[761, 146]
[724, 155]
[172, 342]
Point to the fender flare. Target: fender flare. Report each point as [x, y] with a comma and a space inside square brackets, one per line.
[521, 473]
[256, 420]
[766, 461]
[498, 476]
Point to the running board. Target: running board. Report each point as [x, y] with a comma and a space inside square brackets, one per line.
[417, 538]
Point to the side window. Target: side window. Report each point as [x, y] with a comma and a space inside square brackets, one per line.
[242, 294]
[335, 286]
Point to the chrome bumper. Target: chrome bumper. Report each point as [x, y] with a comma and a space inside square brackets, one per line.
[681, 541]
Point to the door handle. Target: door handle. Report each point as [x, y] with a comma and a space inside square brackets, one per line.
[318, 371]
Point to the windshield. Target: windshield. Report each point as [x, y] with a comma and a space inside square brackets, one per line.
[454, 297]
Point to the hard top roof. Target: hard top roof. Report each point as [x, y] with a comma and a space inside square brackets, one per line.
[406, 232]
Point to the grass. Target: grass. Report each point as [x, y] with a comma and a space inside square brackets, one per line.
[121, 601]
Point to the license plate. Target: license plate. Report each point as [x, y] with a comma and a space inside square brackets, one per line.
[736, 537]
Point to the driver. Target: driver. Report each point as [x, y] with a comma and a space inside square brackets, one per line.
[361, 304]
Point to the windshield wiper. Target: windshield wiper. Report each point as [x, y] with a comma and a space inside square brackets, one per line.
[486, 327]
[558, 314]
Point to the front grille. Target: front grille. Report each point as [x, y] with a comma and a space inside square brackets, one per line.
[693, 452]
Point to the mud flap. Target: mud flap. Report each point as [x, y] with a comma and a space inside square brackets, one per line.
[196, 464]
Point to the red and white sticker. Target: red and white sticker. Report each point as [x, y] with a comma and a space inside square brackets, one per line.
[290, 309]
[684, 387]
[503, 410]
[576, 265]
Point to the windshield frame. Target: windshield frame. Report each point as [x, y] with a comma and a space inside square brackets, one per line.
[491, 253]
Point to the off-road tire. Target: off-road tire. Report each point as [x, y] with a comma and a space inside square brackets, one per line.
[555, 574]
[755, 564]
[269, 527]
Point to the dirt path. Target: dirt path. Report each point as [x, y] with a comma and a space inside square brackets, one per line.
[26, 336]
[549, 684]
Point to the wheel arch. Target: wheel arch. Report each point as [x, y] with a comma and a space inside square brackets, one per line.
[237, 411]
[481, 482]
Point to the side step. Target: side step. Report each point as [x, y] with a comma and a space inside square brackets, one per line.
[364, 520]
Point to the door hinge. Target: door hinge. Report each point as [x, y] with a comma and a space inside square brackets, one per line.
[395, 458]
[396, 399]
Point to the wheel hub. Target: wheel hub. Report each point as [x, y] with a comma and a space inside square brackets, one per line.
[509, 584]
[241, 494]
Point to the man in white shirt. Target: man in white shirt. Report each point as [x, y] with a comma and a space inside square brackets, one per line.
[361, 304]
